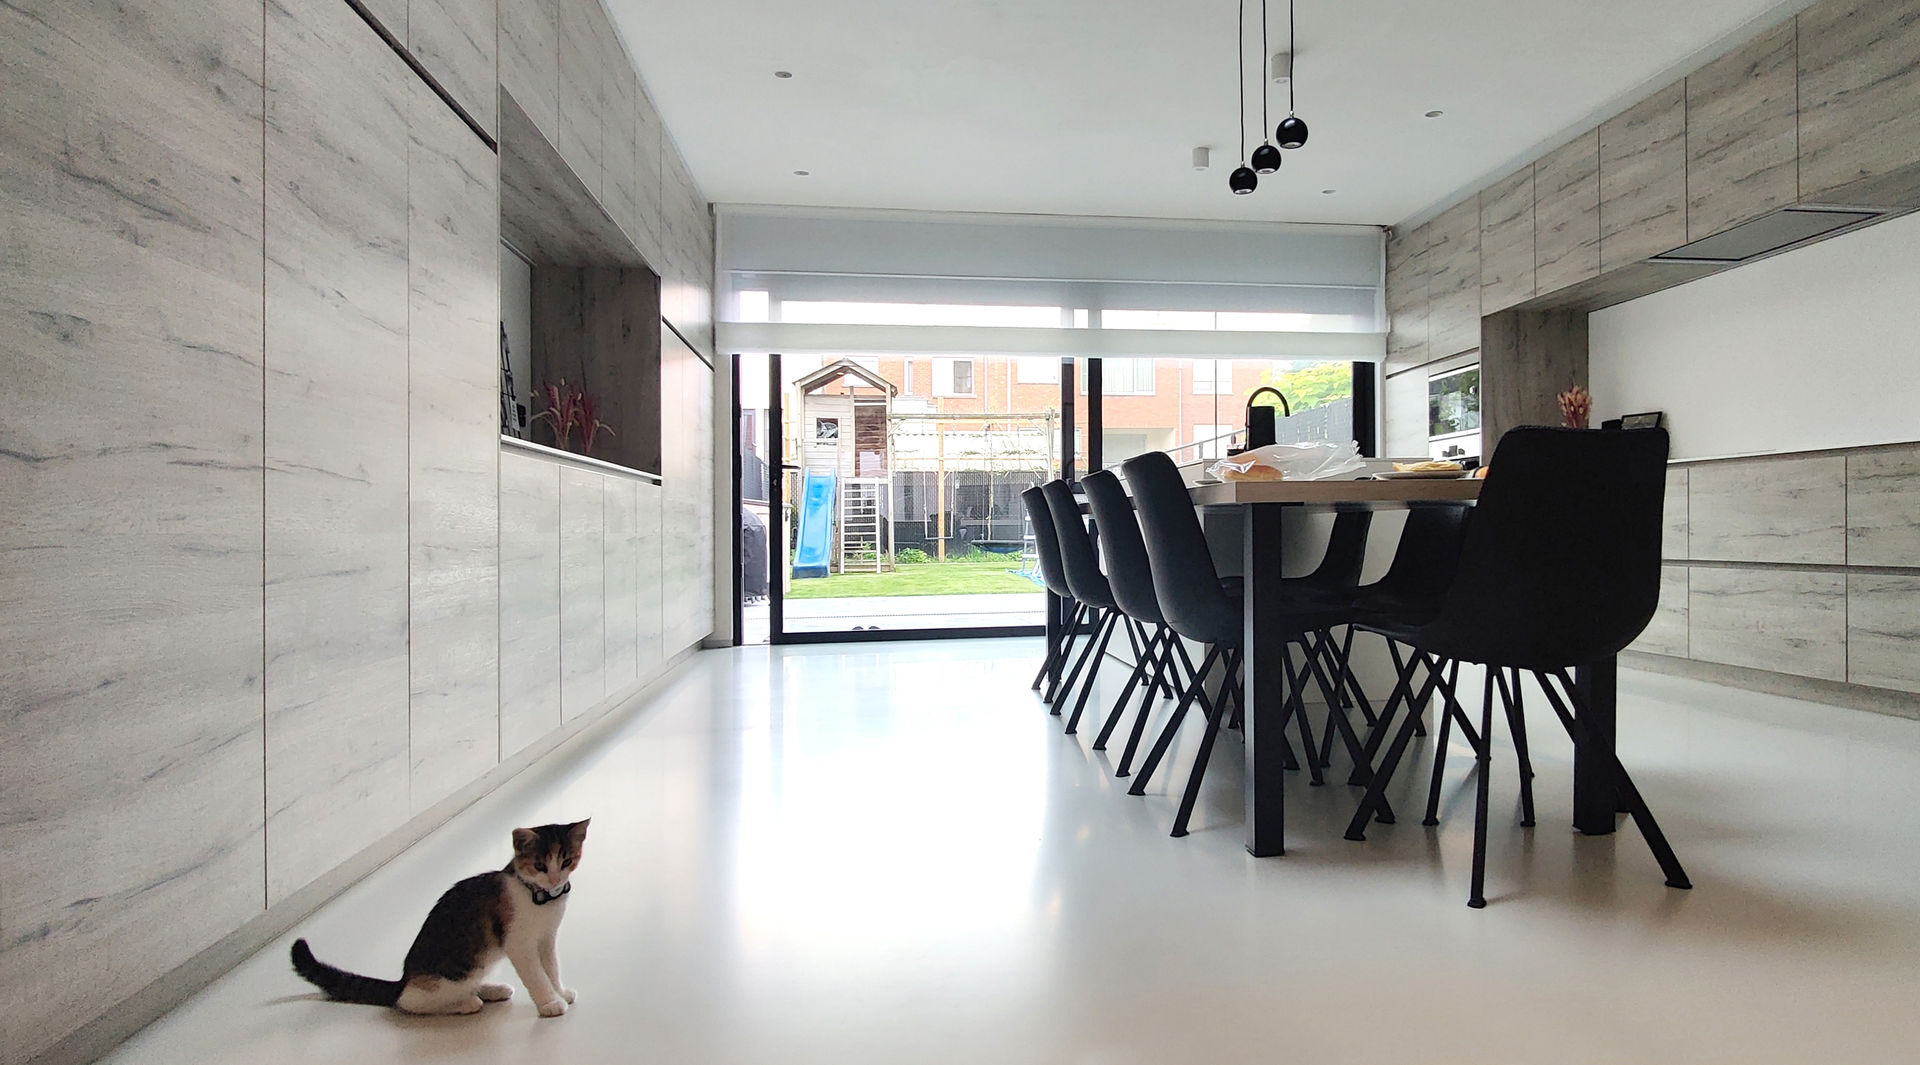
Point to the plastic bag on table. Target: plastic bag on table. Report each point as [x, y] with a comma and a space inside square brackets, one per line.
[1322, 461]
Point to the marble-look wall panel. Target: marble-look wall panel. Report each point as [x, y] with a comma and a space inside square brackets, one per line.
[622, 584]
[583, 29]
[1883, 508]
[130, 467]
[648, 544]
[700, 401]
[391, 14]
[1859, 102]
[1666, 634]
[1673, 536]
[1407, 318]
[1643, 179]
[453, 405]
[1506, 241]
[456, 41]
[1566, 214]
[583, 615]
[1769, 510]
[685, 286]
[530, 60]
[1883, 628]
[336, 440]
[1741, 134]
[1453, 285]
[1786, 621]
[529, 600]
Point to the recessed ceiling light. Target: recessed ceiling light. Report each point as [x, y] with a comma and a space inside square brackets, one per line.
[783, 74]
[1435, 114]
[802, 173]
[1328, 192]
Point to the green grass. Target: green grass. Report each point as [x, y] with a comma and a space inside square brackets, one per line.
[989, 576]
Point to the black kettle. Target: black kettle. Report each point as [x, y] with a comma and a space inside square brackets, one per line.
[1260, 430]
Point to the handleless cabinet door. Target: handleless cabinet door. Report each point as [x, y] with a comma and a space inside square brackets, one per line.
[1453, 285]
[453, 453]
[1407, 300]
[530, 60]
[1566, 214]
[1883, 508]
[336, 440]
[622, 576]
[130, 455]
[582, 32]
[529, 600]
[583, 610]
[1741, 134]
[456, 41]
[1860, 102]
[1769, 510]
[1643, 179]
[1506, 241]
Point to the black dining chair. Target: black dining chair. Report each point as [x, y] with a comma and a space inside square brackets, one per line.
[1081, 616]
[1080, 563]
[1131, 579]
[1559, 568]
[1198, 607]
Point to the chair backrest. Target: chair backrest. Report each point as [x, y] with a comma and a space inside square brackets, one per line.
[1046, 541]
[1561, 561]
[1428, 552]
[1184, 580]
[1129, 573]
[1077, 554]
[1339, 570]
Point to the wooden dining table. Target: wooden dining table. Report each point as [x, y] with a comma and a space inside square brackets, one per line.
[1261, 506]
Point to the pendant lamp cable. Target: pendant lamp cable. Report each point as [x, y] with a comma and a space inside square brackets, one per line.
[1293, 56]
[1265, 58]
[1240, 87]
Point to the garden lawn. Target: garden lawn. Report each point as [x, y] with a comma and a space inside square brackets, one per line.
[993, 576]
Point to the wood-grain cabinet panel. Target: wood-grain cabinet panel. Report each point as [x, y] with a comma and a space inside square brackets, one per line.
[583, 615]
[1407, 317]
[1566, 214]
[1741, 134]
[1453, 286]
[453, 451]
[1883, 508]
[530, 60]
[622, 579]
[1666, 634]
[1769, 510]
[649, 537]
[130, 466]
[1883, 628]
[1785, 621]
[529, 600]
[1506, 241]
[1859, 102]
[1674, 516]
[582, 32]
[1643, 179]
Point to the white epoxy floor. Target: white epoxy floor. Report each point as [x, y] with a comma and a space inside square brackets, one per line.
[889, 853]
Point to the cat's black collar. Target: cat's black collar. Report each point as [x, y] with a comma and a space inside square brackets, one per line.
[542, 896]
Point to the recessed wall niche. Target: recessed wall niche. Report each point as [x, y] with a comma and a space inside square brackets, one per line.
[594, 312]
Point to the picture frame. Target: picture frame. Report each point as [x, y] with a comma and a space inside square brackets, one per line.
[826, 430]
[1649, 420]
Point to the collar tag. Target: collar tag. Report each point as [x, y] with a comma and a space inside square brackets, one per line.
[541, 896]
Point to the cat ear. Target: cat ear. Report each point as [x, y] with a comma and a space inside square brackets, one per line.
[577, 832]
[524, 838]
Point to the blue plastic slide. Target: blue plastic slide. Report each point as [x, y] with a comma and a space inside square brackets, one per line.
[815, 545]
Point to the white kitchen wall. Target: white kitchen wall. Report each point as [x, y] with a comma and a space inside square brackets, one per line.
[1816, 348]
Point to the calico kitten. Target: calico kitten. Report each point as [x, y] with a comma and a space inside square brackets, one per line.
[515, 912]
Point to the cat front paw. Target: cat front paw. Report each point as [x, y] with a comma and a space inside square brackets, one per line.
[553, 1007]
[567, 993]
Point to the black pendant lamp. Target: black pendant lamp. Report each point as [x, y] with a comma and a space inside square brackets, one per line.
[1243, 180]
[1292, 132]
[1266, 158]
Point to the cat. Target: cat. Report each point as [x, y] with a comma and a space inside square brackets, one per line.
[513, 912]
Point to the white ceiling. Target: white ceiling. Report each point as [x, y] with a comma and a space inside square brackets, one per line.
[1092, 107]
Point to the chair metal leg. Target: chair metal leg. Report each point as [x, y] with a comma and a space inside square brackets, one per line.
[1139, 786]
[1093, 670]
[1517, 727]
[1086, 653]
[1440, 750]
[1162, 666]
[1630, 795]
[1199, 771]
[1376, 788]
[1079, 618]
[1143, 658]
[1477, 896]
[1297, 706]
[1402, 694]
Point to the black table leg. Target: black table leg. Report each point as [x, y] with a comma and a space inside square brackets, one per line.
[1265, 684]
[1595, 798]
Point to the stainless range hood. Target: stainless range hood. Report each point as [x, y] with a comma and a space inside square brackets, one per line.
[1772, 232]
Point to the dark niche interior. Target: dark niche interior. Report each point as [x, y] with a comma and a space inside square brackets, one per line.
[595, 309]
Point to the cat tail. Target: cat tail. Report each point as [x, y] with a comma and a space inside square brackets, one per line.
[341, 985]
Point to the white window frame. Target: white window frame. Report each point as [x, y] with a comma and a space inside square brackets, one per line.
[1107, 388]
[1215, 382]
[943, 368]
